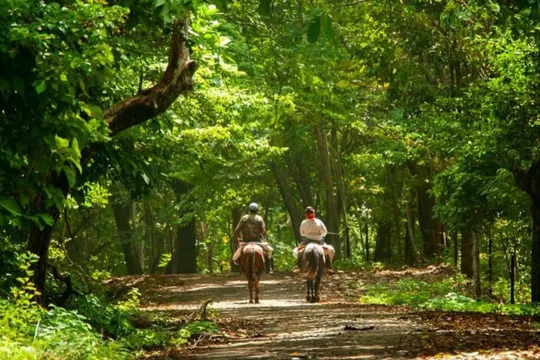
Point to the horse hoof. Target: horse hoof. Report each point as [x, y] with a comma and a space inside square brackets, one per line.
[256, 301]
[308, 299]
[251, 301]
[317, 299]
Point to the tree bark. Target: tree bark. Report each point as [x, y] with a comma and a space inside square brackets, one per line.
[367, 242]
[529, 182]
[236, 216]
[456, 250]
[410, 247]
[513, 277]
[467, 254]
[382, 246]
[490, 263]
[476, 266]
[184, 258]
[535, 256]
[177, 79]
[122, 216]
[156, 243]
[286, 192]
[395, 194]
[429, 226]
[332, 213]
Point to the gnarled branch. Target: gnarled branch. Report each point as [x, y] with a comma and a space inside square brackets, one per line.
[149, 103]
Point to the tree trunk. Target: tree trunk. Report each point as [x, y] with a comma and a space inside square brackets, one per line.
[184, 258]
[535, 256]
[476, 266]
[456, 250]
[297, 167]
[382, 247]
[513, 277]
[467, 254]
[122, 216]
[210, 246]
[410, 247]
[149, 103]
[367, 242]
[288, 198]
[395, 194]
[429, 226]
[490, 263]
[156, 243]
[332, 213]
[236, 216]
[38, 244]
[139, 240]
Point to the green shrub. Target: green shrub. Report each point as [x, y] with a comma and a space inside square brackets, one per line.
[446, 295]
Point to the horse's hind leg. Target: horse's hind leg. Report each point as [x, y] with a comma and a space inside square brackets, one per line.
[256, 284]
[250, 284]
[317, 288]
[308, 295]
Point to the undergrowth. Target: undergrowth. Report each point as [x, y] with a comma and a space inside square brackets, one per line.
[92, 328]
[446, 295]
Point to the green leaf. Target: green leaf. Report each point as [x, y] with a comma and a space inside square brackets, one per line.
[40, 87]
[264, 7]
[61, 143]
[70, 174]
[327, 26]
[75, 147]
[343, 83]
[223, 41]
[145, 178]
[158, 3]
[314, 30]
[47, 219]
[10, 205]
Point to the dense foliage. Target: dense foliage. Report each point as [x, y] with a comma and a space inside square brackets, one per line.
[411, 127]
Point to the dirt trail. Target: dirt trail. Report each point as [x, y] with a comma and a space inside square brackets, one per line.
[283, 325]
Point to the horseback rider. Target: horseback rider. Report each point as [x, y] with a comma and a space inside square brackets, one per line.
[313, 230]
[251, 227]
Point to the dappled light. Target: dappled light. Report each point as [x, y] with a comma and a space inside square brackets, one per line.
[269, 179]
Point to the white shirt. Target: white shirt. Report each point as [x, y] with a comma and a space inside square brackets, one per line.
[313, 229]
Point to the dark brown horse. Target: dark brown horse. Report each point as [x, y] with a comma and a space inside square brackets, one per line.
[253, 266]
[313, 265]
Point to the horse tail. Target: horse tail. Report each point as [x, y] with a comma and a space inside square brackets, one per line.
[251, 264]
[312, 262]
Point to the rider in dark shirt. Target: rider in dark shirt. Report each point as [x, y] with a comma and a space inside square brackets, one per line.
[251, 228]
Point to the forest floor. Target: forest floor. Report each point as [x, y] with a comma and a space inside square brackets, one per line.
[284, 326]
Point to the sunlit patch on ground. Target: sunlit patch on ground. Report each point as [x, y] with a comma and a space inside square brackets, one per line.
[284, 326]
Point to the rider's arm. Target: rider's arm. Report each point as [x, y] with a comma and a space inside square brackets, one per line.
[323, 229]
[303, 229]
[263, 227]
[238, 229]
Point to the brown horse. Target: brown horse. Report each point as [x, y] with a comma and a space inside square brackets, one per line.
[313, 265]
[253, 266]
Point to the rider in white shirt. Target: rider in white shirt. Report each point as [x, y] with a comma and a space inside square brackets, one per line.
[313, 229]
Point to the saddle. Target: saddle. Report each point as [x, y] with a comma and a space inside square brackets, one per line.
[258, 247]
[302, 246]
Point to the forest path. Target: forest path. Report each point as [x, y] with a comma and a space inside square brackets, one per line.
[284, 326]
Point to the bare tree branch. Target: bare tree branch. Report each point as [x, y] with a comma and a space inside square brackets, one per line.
[149, 103]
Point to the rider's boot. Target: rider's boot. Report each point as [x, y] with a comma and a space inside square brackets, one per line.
[270, 266]
[329, 269]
